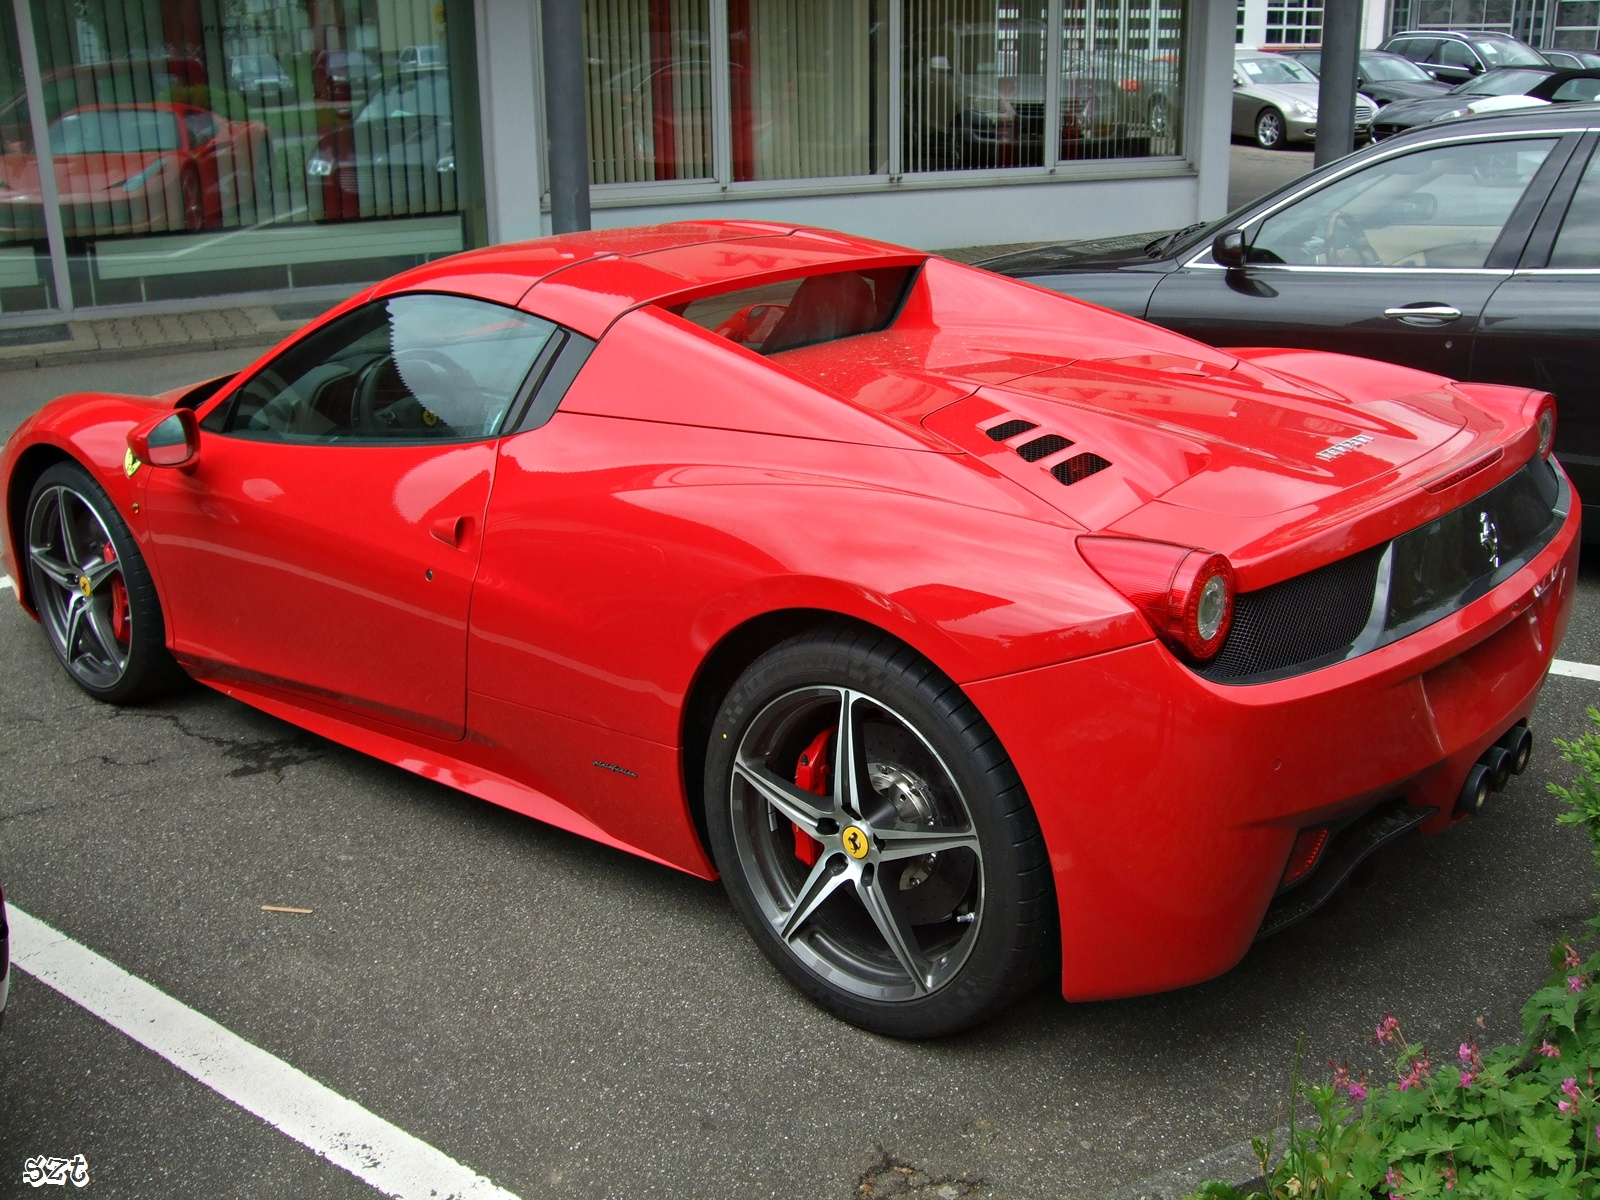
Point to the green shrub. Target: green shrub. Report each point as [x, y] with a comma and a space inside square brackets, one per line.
[1517, 1122]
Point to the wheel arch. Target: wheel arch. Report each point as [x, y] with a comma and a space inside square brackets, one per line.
[31, 463]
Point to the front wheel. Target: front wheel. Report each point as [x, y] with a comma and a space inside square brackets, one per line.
[875, 838]
[92, 591]
[1270, 131]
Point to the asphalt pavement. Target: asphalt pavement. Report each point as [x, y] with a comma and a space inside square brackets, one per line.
[570, 1021]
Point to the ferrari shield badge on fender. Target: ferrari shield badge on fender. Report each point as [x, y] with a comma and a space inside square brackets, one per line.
[130, 464]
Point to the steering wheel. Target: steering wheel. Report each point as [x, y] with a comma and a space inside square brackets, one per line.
[1344, 233]
[427, 374]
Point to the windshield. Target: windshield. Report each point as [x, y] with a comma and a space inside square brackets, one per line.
[114, 131]
[427, 99]
[1501, 83]
[1508, 53]
[1275, 70]
[1380, 68]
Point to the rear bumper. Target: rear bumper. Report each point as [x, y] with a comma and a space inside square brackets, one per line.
[1169, 804]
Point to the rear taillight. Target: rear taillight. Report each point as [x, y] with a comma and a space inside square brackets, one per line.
[1185, 594]
[1546, 423]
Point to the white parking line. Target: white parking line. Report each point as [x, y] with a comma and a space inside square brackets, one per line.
[1575, 670]
[5, 582]
[340, 1130]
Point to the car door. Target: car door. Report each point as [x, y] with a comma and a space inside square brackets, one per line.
[1244, 106]
[1454, 62]
[1393, 259]
[326, 540]
[1541, 328]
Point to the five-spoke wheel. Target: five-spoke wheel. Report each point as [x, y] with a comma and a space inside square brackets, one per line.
[874, 836]
[92, 591]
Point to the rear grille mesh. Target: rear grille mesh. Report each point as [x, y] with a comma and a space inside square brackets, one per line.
[1296, 622]
[1043, 447]
[1009, 429]
[1315, 619]
[1079, 466]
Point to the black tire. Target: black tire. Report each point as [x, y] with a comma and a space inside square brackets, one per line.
[113, 669]
[993, 940]
[1272, 131]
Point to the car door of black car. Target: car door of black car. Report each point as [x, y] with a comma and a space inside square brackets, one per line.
[1393, 259]
[1541, 328]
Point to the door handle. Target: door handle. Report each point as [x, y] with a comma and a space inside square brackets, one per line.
[451, 530]
[1430, 312]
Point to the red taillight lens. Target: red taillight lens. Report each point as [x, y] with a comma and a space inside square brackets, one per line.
[1185, 594]
[1307, 850]
[1547, 428]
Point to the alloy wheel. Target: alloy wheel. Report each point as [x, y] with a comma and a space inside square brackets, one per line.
[1269, 129]
[857, 843]
[78, 587]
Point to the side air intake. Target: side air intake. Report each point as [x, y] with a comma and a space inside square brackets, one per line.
[1079, 466]
[1043, 447]
[1009, 429]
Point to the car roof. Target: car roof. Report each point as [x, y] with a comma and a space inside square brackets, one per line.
[587, 280]
[1551, 118]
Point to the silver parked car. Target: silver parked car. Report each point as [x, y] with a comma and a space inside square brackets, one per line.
[1275, 101]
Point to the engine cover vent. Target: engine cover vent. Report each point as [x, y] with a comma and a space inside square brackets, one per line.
[1009, 429]
[1043, 447]
[1079, 466]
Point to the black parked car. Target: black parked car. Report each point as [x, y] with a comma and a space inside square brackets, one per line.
[1383, 77]
[1470, 249]
[1456, 56]
[1498, 91]
[1572, 58]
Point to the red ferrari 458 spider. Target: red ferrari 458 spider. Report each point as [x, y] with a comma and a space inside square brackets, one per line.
[968, 631]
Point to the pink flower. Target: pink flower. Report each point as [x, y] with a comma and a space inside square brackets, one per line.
[1388, 1031]
[1358, 1091]
[1569, 1088]
[1343, 1083]
[1548, 1050]
[1573, 961]
[1467, 1079]
[1417, 1074]
[1449, 1178]
[1392, 1182]
[1576, 983]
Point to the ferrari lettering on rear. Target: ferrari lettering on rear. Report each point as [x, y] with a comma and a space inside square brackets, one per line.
[1339, 449]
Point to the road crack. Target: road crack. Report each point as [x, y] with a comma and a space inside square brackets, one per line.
[891, 1176]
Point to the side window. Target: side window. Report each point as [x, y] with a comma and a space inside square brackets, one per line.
[1420, 49]
[202, 128]
[803, 312]
[1579, 90]
[1435, 208]
[1455, 54]
[1578, 243]
[421, 367]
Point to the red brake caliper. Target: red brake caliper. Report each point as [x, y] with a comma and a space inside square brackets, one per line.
[121, 614]
[811, 774]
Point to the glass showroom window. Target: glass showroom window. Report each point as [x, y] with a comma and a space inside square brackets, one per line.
[1122, 78]
[648, 76]
[810, 88]
[209, 146]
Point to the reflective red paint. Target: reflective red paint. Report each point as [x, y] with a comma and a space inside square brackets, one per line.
[534, 619]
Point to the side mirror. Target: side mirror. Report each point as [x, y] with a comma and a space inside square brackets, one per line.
[169, 440]
[1227, 249]
[1476, 68]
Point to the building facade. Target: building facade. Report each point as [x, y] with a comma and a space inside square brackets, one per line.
[1548, 24]
[171, 152]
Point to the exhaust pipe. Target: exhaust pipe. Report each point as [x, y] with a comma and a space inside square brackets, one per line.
[1507, 757]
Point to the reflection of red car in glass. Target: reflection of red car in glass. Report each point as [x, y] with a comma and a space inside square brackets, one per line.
[141, 168]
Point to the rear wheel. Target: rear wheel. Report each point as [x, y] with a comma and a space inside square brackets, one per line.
[92, 591]
[875, 838]
[1270, 131]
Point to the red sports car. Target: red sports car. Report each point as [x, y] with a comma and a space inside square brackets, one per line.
[142, 168]
[968, 631]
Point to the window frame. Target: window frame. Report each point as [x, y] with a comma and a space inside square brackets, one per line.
[721, 185]
[528, 398]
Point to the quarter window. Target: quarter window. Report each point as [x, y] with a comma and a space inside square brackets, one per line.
[1437, 208]
[802, 312]
[1578, 243]
[410, 368]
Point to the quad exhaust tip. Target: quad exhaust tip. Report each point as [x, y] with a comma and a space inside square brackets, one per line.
[1507, 757]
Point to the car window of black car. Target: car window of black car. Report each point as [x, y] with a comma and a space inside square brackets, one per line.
[1382, 68]
[1579, 89]
[1455, 54]
[417, 367]
[1577, 246]
[802, 312]
[1442, 207]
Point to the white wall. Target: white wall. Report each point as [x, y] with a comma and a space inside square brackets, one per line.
[509, 102]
